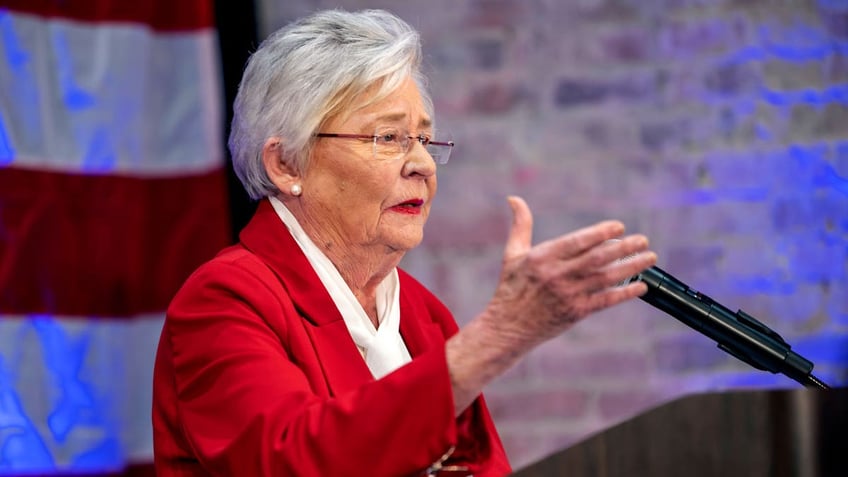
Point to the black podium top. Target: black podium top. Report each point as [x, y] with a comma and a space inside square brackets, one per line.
[768, 433]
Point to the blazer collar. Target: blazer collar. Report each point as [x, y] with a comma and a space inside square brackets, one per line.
[269, 239]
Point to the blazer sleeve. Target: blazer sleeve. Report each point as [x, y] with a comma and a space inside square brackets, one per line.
[244, 404]
[478, 446]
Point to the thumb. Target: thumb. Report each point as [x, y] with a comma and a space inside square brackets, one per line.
[521, 233]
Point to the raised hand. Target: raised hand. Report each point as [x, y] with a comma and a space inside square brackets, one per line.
[544, 290]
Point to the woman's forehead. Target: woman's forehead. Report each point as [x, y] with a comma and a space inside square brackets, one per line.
[402, 106]
[400, 118]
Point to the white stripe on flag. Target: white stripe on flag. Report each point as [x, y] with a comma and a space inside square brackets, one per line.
[78, 391]
[125, 99]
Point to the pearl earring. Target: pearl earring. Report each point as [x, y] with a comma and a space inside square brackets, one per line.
[296, 190]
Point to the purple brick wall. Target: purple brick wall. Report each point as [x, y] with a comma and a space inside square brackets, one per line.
[717, 128]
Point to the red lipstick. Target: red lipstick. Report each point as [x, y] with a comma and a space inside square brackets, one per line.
[411, 207]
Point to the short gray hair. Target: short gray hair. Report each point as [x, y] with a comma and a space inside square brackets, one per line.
[309, 71]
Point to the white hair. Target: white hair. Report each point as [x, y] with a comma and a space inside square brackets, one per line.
[309, 71]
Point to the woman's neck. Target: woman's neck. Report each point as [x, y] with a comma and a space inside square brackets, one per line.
[363, 267]
[363, 270]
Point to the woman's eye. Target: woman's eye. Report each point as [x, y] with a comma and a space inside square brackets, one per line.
[387, 137]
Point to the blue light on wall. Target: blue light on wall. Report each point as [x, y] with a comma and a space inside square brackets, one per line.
[816, 199]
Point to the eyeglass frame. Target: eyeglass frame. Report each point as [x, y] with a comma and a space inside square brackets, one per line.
[421, 138]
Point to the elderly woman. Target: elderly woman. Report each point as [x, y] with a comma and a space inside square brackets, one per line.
[303, 349]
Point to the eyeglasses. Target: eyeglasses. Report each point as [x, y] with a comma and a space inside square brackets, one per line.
[393, 144]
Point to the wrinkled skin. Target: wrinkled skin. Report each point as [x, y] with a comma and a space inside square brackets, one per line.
[543, 290]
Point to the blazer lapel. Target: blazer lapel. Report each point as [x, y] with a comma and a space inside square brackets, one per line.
[417, 327]
[268, 237]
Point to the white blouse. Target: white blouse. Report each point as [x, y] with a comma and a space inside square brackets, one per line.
[382, 348]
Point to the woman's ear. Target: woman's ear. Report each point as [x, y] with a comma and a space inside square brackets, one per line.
[284, 176]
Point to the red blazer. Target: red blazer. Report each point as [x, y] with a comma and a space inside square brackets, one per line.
[256, 374]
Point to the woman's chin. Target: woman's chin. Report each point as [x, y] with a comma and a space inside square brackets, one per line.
[402, 240]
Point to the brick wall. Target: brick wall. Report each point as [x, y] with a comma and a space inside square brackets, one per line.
[717, 128]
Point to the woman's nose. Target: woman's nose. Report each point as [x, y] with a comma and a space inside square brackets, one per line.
[418, 161]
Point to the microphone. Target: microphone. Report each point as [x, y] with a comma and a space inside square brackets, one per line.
[739, 334]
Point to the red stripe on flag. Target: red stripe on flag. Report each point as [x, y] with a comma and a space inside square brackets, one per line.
[104, 245]
[162, 15]
[133, 470]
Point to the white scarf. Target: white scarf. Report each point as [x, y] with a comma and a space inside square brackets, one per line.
[383, 348]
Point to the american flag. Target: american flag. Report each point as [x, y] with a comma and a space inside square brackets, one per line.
[112, 190]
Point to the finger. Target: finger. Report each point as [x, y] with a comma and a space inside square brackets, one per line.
[613, 296]
[620, 272]
[579, 241]
[521, 233]
[582, 279]
[609, 251]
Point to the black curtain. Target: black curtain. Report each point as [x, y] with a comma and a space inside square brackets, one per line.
[238, 38]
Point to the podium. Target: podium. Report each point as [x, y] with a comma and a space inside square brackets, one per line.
[768, 433]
